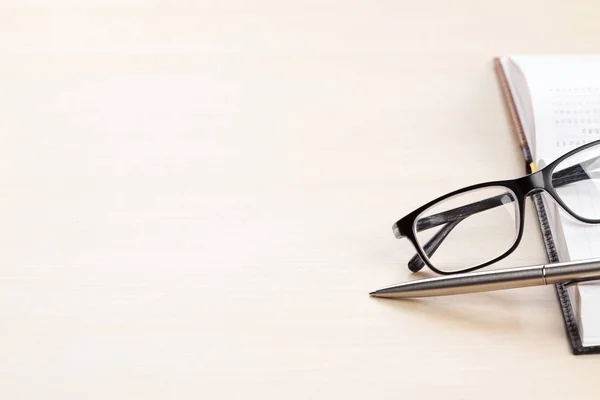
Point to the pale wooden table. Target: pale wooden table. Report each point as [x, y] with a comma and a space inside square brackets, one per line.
[196, 198]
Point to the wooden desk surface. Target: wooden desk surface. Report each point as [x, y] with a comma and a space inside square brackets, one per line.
[196, 198]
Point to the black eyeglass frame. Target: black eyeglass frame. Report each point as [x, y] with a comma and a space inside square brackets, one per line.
[536, 182]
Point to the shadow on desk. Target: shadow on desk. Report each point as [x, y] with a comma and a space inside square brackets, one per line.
[507, 311]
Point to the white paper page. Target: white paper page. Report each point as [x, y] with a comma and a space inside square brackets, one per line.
[590, 328]
[565, 96]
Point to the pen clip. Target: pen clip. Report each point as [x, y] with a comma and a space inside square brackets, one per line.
[582, 280]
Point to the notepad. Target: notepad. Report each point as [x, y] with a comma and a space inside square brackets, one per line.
[557, 98]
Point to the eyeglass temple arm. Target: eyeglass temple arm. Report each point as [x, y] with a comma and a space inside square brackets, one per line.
[453, 217]
[572, 174]
[415, 264]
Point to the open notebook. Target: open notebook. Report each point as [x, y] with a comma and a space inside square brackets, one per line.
[555, 105]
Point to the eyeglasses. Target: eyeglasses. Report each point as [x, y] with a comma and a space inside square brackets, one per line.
[475, 226]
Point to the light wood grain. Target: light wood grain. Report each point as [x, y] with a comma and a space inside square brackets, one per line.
[196, 198]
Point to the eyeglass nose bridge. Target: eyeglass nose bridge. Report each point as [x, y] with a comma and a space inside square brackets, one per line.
[535, 182]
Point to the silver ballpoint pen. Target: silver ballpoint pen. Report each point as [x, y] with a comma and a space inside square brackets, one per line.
[535, 275]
